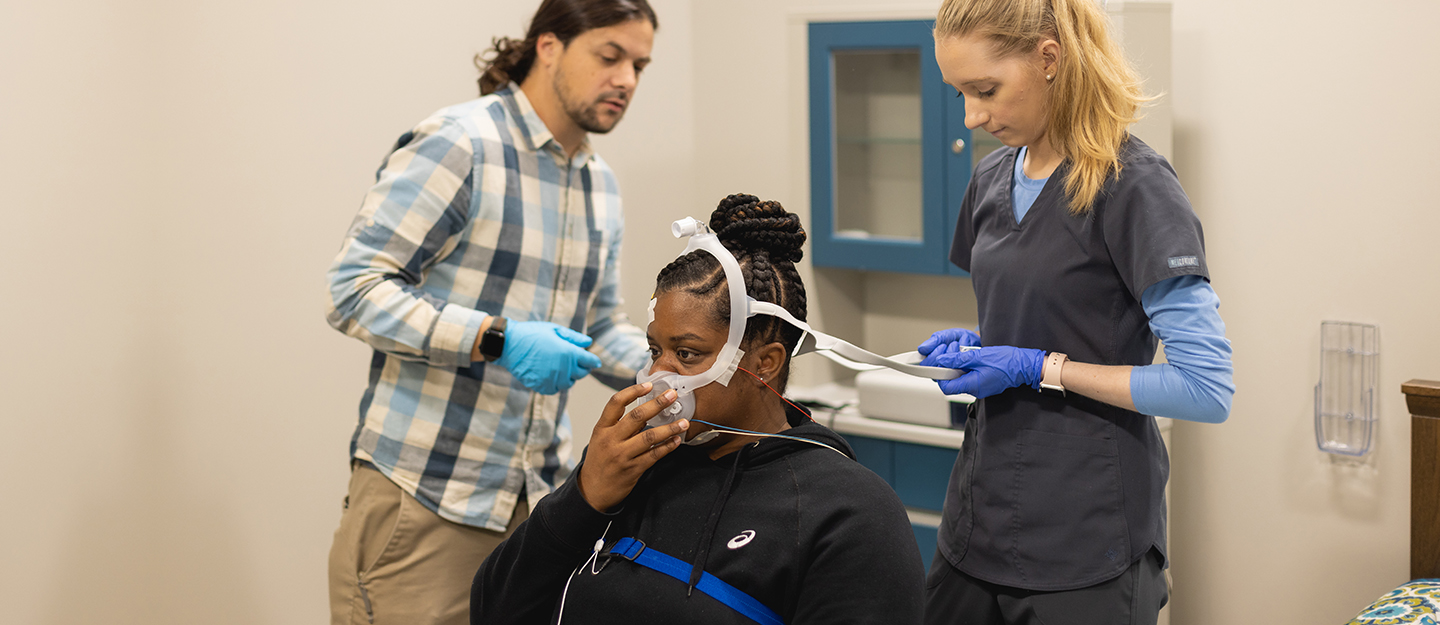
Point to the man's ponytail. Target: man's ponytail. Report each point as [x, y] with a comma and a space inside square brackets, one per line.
[507, 59]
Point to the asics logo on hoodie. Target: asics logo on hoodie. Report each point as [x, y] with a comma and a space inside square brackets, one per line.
[743, 539]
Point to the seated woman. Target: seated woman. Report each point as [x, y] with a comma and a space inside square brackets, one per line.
[773, 524]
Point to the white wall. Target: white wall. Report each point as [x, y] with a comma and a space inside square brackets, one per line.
[178, 176]
[70, 299]
[1304, 134]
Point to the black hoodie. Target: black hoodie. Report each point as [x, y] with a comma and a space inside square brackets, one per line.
[829, 543]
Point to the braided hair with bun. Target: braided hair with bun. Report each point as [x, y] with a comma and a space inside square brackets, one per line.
[766, 241]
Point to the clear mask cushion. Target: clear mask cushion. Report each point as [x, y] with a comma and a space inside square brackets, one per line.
[684, 385]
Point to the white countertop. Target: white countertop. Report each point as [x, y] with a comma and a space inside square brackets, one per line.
[848, 420]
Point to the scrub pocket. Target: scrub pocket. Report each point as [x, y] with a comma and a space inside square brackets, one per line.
[1070, 521]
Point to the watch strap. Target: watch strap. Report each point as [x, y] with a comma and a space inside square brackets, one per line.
[1050, 383]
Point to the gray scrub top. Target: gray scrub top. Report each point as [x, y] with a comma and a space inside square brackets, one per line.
[1057, 493]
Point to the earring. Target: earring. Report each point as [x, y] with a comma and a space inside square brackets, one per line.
[1049, 77]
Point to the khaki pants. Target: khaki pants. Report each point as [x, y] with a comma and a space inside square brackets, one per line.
[394, 562]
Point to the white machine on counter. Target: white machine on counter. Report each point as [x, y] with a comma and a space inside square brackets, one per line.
[894, 396]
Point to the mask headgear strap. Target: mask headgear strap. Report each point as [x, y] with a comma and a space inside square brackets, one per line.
[815, 341]
[742, 307]
[701, 238]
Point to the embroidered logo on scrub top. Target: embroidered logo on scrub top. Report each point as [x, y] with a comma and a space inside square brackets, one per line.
[743, 539]
[1184, 261]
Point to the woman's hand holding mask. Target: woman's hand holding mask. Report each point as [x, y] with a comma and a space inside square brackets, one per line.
[621, 449]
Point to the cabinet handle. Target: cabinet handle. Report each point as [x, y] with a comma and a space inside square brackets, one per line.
[958, 146]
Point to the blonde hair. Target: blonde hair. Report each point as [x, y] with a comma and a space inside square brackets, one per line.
[1095, 94]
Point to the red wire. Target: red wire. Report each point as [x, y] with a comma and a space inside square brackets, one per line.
[777, 393]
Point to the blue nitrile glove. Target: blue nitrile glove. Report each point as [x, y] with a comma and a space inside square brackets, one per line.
[547, 358]
[989, 370]
[947, 337]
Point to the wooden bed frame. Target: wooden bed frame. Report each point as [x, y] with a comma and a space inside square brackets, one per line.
[1423, 399]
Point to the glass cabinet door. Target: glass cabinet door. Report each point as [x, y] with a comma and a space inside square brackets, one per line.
[877, 144]
[884, 165]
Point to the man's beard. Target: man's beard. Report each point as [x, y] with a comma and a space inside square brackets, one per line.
[586, 117]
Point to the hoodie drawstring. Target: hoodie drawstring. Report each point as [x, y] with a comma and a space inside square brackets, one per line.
[703, 553]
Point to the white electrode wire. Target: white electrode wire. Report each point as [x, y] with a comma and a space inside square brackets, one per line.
[725, 429]
[594, 555]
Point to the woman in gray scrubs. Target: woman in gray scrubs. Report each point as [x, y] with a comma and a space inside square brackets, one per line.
[1083, 249]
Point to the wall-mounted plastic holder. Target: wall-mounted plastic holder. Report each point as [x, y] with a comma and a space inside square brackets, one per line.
[1345, 397]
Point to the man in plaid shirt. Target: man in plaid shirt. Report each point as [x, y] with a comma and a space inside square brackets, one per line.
[483, 268]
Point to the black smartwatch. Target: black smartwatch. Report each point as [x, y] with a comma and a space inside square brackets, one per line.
[492, 342]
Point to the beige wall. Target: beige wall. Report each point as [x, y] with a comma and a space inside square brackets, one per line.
[178, 176]
[1304, 134]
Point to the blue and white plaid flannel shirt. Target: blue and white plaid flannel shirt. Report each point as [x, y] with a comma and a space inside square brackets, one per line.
[476, 211]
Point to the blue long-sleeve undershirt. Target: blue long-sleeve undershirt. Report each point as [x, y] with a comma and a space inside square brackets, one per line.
[1196, 383]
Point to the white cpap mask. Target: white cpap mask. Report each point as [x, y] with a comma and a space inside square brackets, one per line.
[742, 307]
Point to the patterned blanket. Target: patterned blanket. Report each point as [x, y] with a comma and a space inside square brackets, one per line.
[1417, 602]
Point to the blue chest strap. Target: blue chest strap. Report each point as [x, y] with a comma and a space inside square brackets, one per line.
[636, 551]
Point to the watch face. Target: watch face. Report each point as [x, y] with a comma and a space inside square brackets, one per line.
[492, 343]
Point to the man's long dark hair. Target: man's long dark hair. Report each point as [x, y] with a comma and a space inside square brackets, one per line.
[510, 59]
